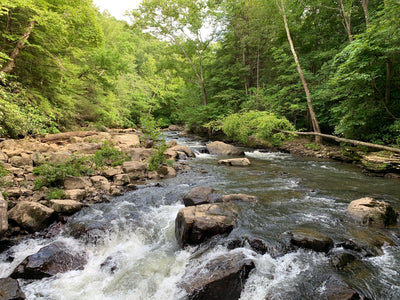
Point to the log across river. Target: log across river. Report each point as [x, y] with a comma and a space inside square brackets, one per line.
[132, 253]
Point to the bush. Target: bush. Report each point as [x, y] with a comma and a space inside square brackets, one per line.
[261, 124]
[56, 193]
[108, 156]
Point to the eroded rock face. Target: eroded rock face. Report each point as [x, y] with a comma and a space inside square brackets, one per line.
[222, 278]
[235, 162]
[311, 239]
[10, 289]
[32, 216]
[195, 224]
[49, 261]
[198, 195]
[220, 148]
[369, 211]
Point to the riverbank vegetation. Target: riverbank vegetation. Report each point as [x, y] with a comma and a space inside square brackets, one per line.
[203, 63]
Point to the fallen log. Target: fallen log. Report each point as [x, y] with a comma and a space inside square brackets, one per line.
[343, 140]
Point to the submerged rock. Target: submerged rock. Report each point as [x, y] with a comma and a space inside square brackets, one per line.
[311, 239]
[239, 197]
[32, 216]
[10, 289]
[369, 211]
[235, 162]
[220, 148]
[222, 278]
[336, 289]
[195, 224]
[49, 261]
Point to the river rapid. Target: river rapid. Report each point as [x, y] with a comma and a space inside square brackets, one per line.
[132, 252]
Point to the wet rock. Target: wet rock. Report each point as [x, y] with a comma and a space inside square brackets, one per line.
[75, 183]
[235, 162]
[88, 232]
[121, 179]
[10, 289]
[100, 183]
[198, 195]
[335, 289]
[32, 216]
[311, 239]
[68, 207]
[49, 261]
[3, 215]
[369, 211]
[166, 172]
[220, 148]
[174, 151]
[222, 278]
[110, 264]
[195, 224]
[342, 259]
[239, 197]
[76, 194]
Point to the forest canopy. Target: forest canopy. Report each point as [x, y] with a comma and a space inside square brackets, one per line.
[63, 64]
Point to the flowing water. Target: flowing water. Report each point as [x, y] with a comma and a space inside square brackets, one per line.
[132, 252]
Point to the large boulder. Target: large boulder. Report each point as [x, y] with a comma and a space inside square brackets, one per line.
[101, 183]
[76, 183]
[199, 195]
[179, 151]
[336, 289]
[235, 162]
[195, 224]
[220, 148]
[121, 179]
[311, 239]
[49, 261]
[10, 289]
[369, 211]
[32, 216]
[135, 170]
[76, 194]
[3, 215]
[68, 207]
[222, 278]
[129, 140]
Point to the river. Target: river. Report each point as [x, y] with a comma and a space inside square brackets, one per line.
[132, 252]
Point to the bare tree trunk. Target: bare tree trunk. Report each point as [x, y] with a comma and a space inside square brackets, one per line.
[9, 67]
[347, 20]
[246, 85]
[313, 116]
[366, 14]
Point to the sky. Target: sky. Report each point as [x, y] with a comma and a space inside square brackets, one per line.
[117, 8]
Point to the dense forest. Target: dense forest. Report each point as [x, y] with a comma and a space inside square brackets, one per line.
[239, 66]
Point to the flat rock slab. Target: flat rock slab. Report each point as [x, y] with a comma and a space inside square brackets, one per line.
[235, 162]
[49, 261]
[222, 278]
[75, 183]
[221, 148]
[311, 239]
[195, 224]
[10, 289]
[369, 211]
[32, 216]
[68, 207]
[239, 197]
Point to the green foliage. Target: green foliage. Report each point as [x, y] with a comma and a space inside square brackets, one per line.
[53, 174]
[261, 124]
[108, 156]
[3, 171]
[313, 146]
[157, 158]
[55, 193]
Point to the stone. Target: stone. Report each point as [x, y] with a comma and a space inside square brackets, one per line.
[369, 211]
[175, 128]
[65, 206]
[3, 215]
[32, 216]
[166, 171]
[3, 157]
[121, 179]
[21, 161]
[196, 224]
[311, 239]
[222, 278]
[139, 154]
[59, 156]
[198, 195]
[235, 162]
[221, 148]
[129, 140]
[111, 172]
[10, 289]
[239, 197]
[133, 166]
[74, 183]
[342, 259]
[84, 148]
[101, 183]
[335, 289]
[76, 194]
[184, 149]
[49, 261]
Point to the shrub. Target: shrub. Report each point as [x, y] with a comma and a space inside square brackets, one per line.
[56, 193]
[108, 156]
